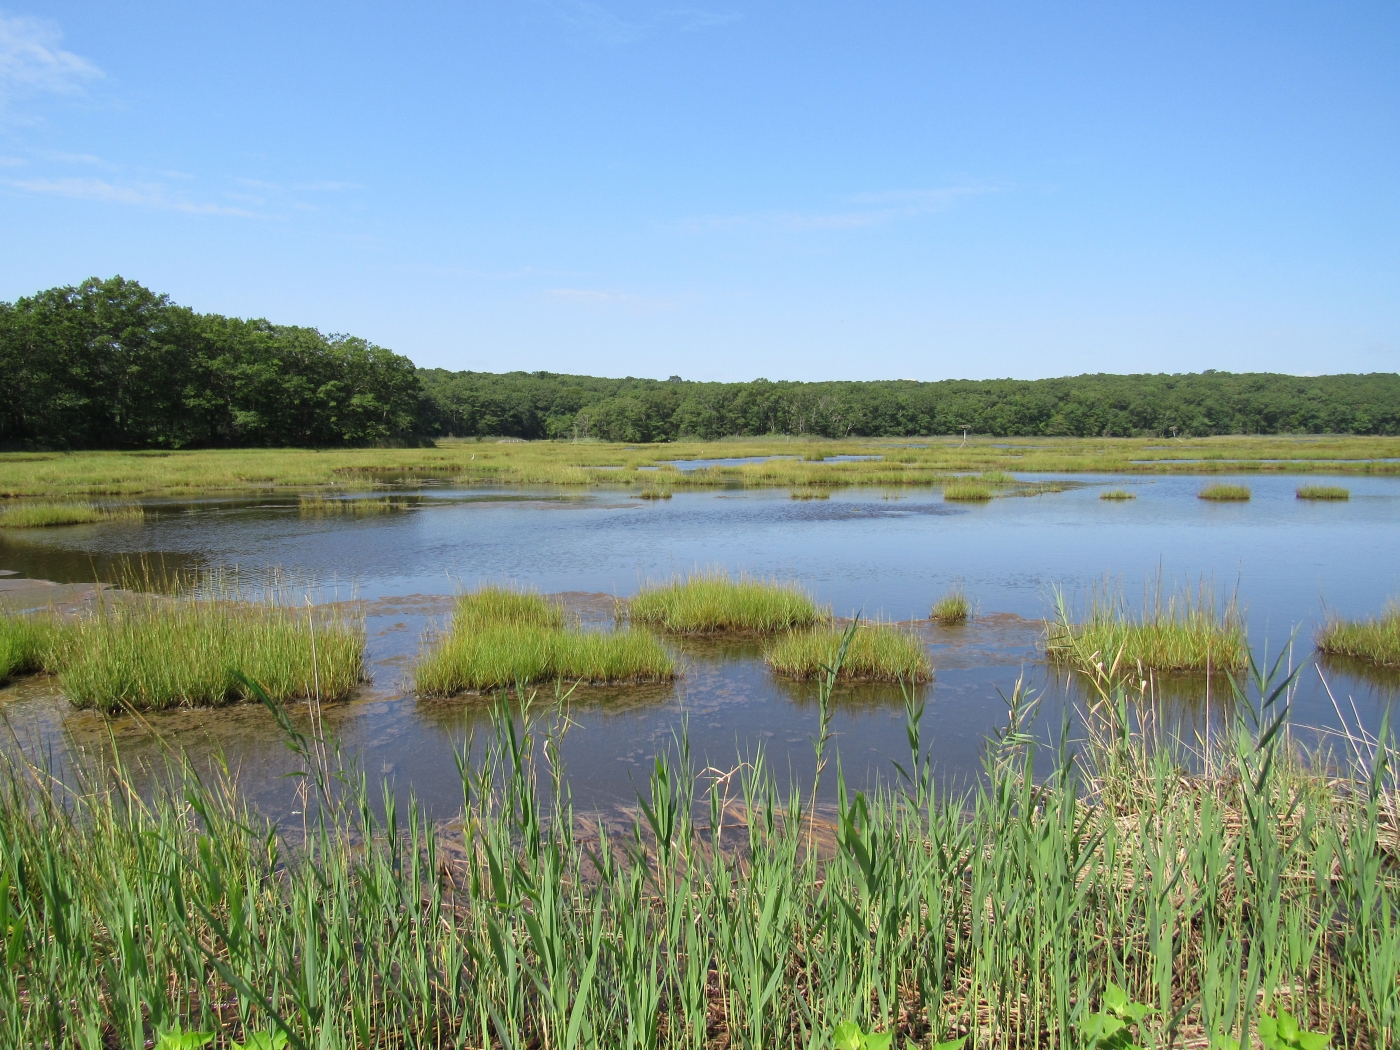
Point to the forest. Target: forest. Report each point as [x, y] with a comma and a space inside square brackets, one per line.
[111, 364]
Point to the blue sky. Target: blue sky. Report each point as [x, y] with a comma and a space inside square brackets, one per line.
[801, 191]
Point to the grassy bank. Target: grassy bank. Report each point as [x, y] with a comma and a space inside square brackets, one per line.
[1178, 632]
[501, 638]
[731, 914]
[82, 475]
[1375, 640]
[154, 653]
[1221, 493]
[876, 653]
[706, 602]
[47, 515]
[1324, 492]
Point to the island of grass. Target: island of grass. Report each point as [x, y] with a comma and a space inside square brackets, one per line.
[1375, 640]
[501, 637]
[147, 653]
[967, 491]
[1117, 494]
[1223, 493]
[1324, 492]
[711, 602]
[46, 515]
[878, 652]
[321, 506]
[1182, 634]
[952, 608]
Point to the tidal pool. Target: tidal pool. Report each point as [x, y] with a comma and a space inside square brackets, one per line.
[886, 553]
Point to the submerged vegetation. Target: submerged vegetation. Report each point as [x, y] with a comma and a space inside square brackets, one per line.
[500, 638]
[707, 602]
[871, 652]
[952, 608]
[1375, 640]
[1324, 492]
[1222, 493]
[45, 515]
[1182, 633]
[1194, 909]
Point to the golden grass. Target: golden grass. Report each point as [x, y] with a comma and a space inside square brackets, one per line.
[709, 602]
[47, 515]
[878, 652]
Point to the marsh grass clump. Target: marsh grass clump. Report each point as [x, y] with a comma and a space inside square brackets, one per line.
[28, 644]
[952, 608]
[149, 653]
[1183, 633]
[997, 477]
[502, 637]
[1189, 890]
[320, 506]
[1324, 492]
[655, 492]
[1223, 493]
[878, 652]
[45, 515]
[1375, 640]
[708, 602]
[1117, 494]
[967, 491]
[813, 493]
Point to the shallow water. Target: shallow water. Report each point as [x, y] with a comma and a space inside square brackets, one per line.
[876, 552]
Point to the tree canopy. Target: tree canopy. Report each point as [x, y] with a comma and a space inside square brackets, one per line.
[111, 364]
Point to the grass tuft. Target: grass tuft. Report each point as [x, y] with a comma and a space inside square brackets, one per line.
[1185, 634]
[879, 652]
[151, 653]
[1117, 494]
[812, 493]
[28, 644]
[706, 602]
[501, 638]
[44, 515]
[1324, 492]
[1375, 640]
[967, 491]
[654, 492]
[1222, 493]
[952, 608]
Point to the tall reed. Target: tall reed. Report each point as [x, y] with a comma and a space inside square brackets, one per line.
[724, 911]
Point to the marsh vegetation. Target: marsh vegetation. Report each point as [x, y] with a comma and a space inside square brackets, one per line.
[1222, 493]
[725, 911]
[1117, 494]
[867, 652]
[39, 515]
[711, 601]
[1324, 492]
[1375, 640]
[500, 637]
[967, 491]
[952, 608]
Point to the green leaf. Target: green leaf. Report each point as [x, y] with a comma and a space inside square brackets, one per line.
[1287, 1027]
[1314, 1040]
[263, 1041]
[1268, 1033]
[1100, 1027]
[177, 1039]
[1114, 998]
[952, 1044]
[847, 1036]
[878, 1040]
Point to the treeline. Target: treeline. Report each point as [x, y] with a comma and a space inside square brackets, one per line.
[110, 364]
[544, 405]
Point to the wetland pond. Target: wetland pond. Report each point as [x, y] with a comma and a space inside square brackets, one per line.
[883, 553]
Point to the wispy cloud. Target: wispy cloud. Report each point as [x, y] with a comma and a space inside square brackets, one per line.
[32, 63]
[863, 210]
[144, 195]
